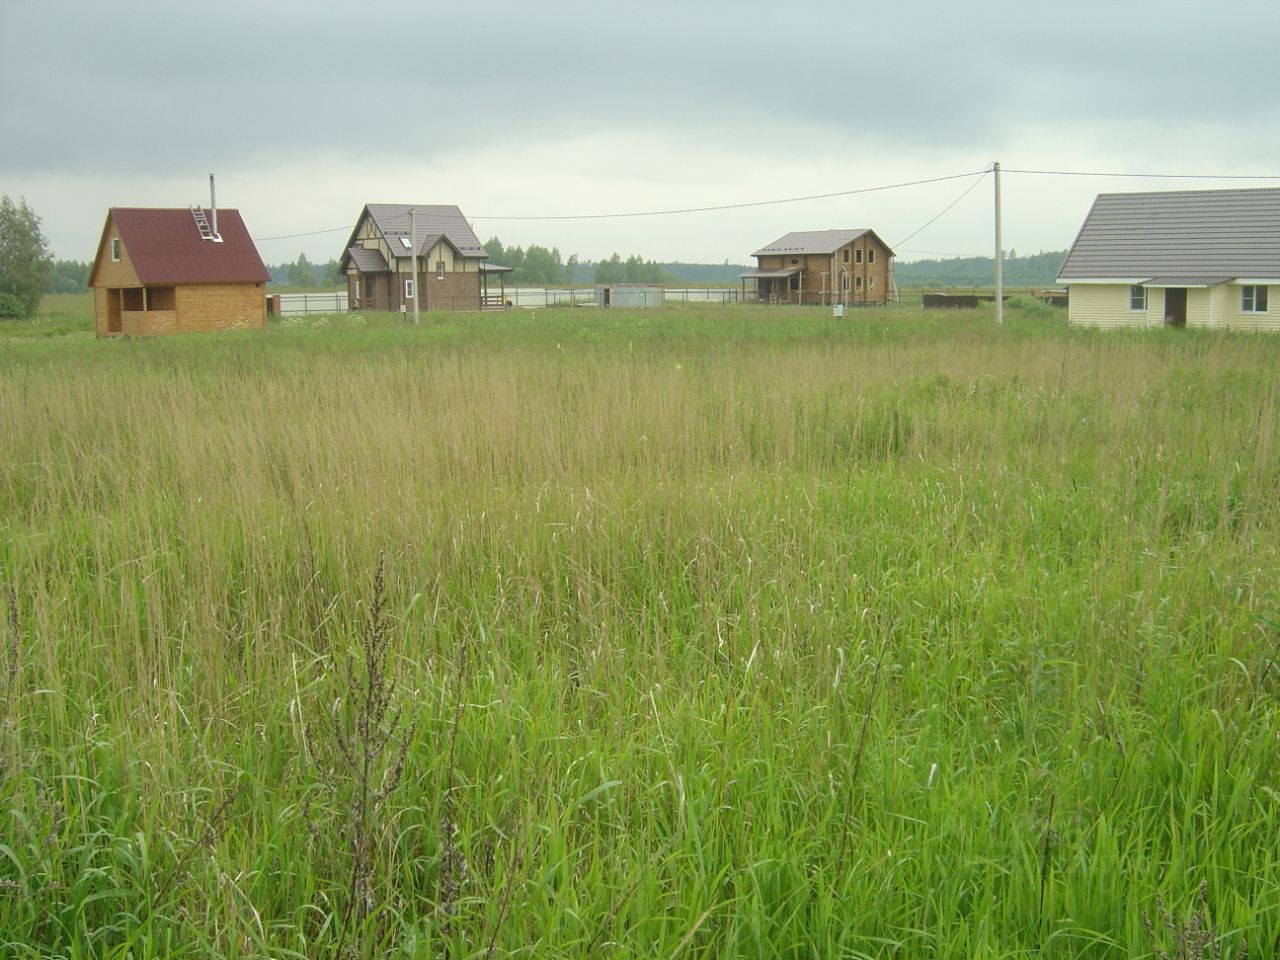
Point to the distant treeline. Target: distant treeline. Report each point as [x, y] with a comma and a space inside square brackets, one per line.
[1036, 270]
[541, 266]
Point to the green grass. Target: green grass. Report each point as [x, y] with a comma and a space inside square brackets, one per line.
[713, 633]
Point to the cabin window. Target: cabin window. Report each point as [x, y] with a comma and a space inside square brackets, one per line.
[857, 283]
[404, 241]
[845, 252]
[408, 289]
[795, 281]
[1138, 297]
[844, 281]
[871, 255]
[794, 261]
[857, 256]
[115, 249]
[161, 298]
[1253, 299]
[439, 269]
[871, 283]
[131, 299]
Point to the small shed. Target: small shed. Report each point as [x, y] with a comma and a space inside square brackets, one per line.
[632, 295]
[160, 271]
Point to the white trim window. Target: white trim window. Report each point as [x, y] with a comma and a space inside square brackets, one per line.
[1253, 299]
[408, 289]
[115, 249]
[871, 255]
[1138, 298]
[439, 269]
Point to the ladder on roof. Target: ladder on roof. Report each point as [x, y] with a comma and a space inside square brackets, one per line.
[202, 224]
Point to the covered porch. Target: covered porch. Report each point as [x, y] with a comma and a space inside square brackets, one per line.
[488, 299]
[772, 286]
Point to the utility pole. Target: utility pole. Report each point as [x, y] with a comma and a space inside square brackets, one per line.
[999, 254]
[413, 245]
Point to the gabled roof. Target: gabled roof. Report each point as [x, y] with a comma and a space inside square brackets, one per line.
[165, 247]
[1184, 233]
[432, 223]
[368, 261]
[816, 242]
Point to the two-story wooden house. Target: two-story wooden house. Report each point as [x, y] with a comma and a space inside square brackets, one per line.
[822, 267]
[453, 268]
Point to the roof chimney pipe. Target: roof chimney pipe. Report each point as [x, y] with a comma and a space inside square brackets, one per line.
[213, 208]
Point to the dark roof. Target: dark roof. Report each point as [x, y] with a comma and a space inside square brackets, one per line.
[368, 261]
[1186, 280]
[1185, 233]
[768, 274]
[816, 241]
[165, 247]
[431, 223]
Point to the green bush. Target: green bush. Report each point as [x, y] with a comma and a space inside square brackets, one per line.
[11, 307]
[1032, 307]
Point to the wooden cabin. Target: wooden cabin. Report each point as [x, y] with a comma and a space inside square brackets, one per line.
[821, 267]
[160, 271]
[454, 272]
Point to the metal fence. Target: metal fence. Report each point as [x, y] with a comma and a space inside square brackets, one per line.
[294, 304]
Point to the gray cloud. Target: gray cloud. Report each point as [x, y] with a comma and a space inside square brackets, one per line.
[158, 87]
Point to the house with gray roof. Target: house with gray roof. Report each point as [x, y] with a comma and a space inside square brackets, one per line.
[1187, 258]
[852, 266]
[453, 268]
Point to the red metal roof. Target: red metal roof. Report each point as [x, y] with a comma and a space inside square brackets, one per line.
[165, 247]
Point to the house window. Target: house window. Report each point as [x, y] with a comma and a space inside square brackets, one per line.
[408, 289]
[1138, 298]
[115, 249]
[844, 280]
[871, 256]
[1253, 299]
[439, 269]
[795, 281]
[845, 252]
[871, 283]
[857, 256]
[857, 283]
[794, 261]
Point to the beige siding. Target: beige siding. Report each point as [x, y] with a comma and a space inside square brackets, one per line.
[1198, 307]
[1107, 305]
[1252, 321]
[1220, 305]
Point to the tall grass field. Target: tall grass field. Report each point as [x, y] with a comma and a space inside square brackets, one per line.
[688, 633]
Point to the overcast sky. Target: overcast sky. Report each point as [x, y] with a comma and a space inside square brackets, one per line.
[306, 111]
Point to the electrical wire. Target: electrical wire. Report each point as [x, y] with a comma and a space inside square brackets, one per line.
[980, 174]
[1147, 176]
[947, 208]
[737, 206]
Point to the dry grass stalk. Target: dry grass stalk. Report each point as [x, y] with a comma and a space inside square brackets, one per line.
[1194, 940]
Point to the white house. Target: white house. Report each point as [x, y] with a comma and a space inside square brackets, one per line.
[1193, 258]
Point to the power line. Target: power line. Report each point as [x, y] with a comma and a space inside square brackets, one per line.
[1148, 176]
[738, 206]
[945, 209]
[311, 233]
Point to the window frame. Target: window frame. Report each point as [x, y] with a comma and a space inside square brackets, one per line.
[439, 269]
[115, 249]
[1134, 290]
[409, 290]
[857, 255]
[871, 255]
[1250, 301]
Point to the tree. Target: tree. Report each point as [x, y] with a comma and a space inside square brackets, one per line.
[25, 260]
[301, 273]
